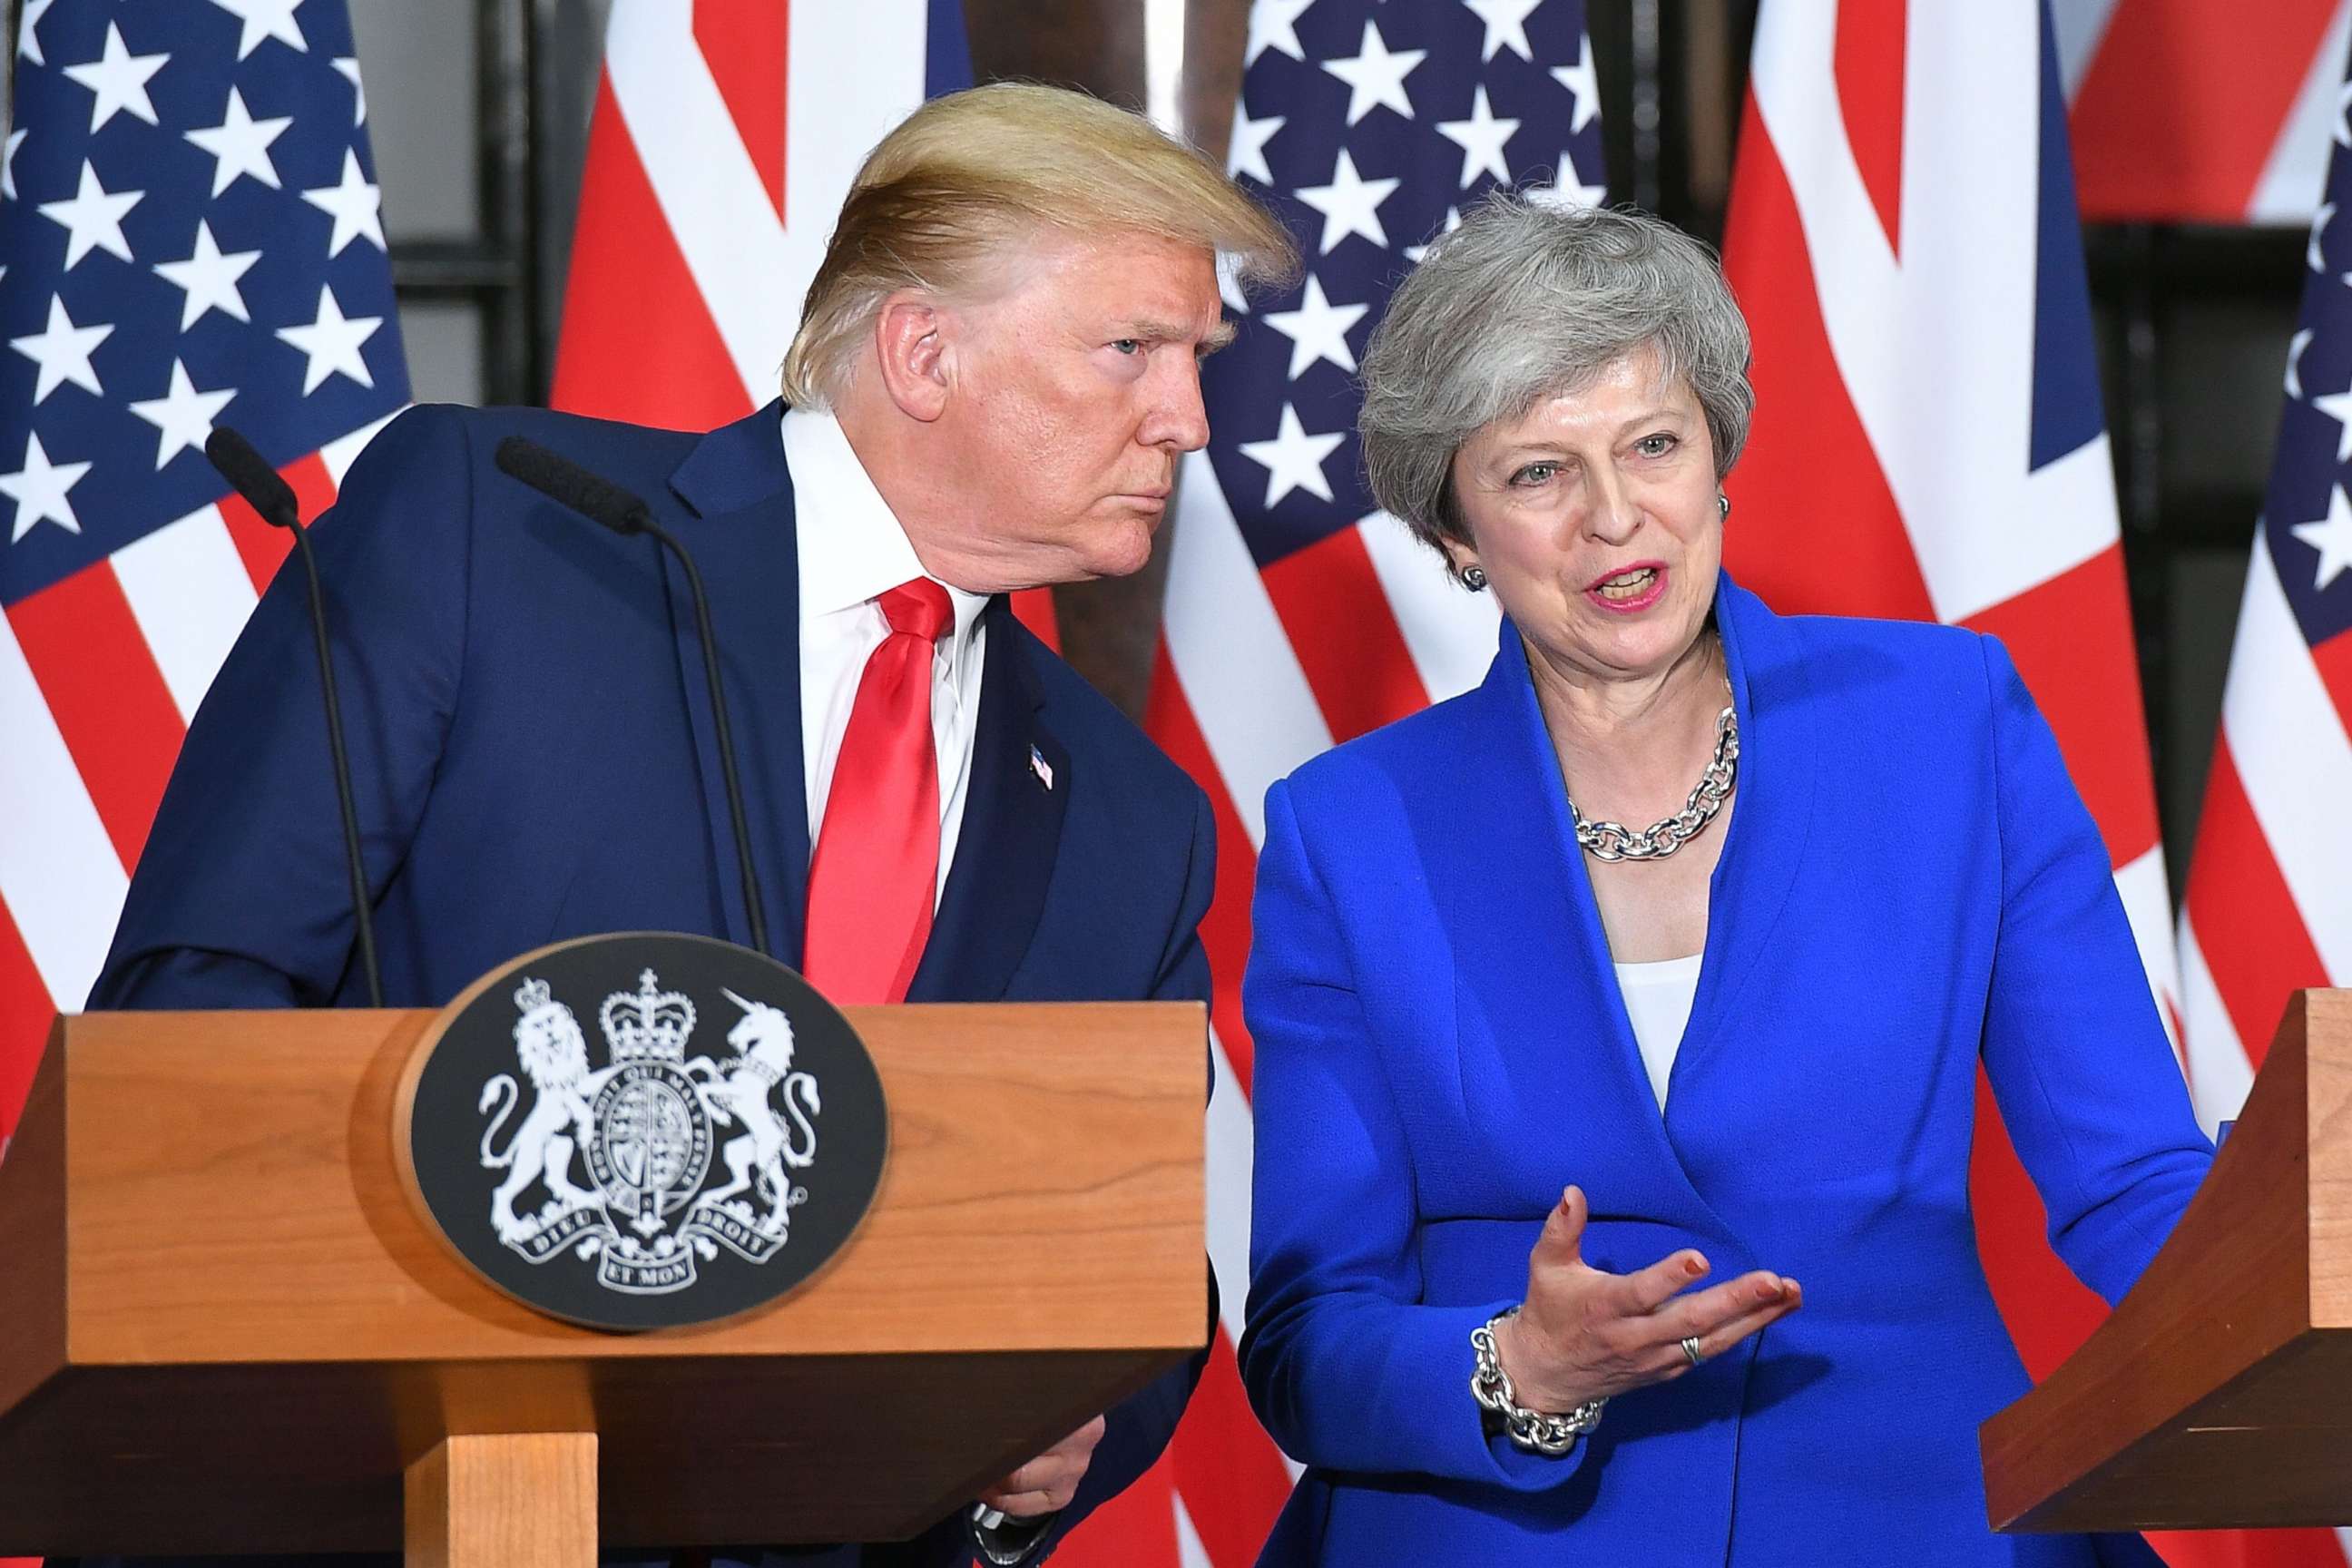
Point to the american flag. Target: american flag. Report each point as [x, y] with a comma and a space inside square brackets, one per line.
[1928, 444]
[190, 232]
[2270, 907]
[2182, 112]
[724, 138]
[1298, 616]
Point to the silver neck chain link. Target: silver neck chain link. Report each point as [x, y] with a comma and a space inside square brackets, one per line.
[1615, 841]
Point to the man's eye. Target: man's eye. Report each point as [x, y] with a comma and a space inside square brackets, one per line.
[1128, 346]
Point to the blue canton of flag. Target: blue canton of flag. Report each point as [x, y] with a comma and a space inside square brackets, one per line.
[190, 233]
[2307, 519]
[1369, 127]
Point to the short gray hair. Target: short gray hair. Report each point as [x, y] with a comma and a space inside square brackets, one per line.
[1523, 302]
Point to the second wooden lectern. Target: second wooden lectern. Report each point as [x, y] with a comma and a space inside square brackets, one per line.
[2219, 1393]
[227, 1332]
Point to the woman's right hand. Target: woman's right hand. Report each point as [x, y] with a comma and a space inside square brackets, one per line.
[1584, 1334]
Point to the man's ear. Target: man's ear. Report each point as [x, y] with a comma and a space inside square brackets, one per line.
[910, 342]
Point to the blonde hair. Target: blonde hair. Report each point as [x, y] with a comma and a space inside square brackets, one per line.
[969, 175]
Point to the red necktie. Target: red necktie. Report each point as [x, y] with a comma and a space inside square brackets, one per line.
[873, 879]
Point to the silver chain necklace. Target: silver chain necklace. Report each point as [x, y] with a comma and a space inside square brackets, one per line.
[1615, 841]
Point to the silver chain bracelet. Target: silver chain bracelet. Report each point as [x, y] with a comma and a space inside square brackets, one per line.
[1490, 1385]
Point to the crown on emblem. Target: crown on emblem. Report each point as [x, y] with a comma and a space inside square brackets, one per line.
[648, 1025]
[534, 996]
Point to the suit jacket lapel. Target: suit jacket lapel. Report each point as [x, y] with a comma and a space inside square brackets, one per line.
[1012, 828]
[1771, 818]
[742, 534]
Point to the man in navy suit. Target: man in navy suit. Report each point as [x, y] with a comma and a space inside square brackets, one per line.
[993, 380]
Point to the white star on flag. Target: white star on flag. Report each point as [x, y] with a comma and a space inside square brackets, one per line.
[2294, 347]
[2331, 536]
[1568, 188]
[1247, 154]
[2342, 103]
[1318, 330]
[8, 162]
[1275, 23]
[349, 66]
[1350, 205]
[28, 39]
[1580, 79]
[240, 144]
[2337, 405]
[2311, 251]
[266, 19]
[39, 489]
[210, 278]
[1507, 24]
[182, 416]
[1294, 459]
[356, 206]
[1481, 138]
[92, 218]
[62, 350]
[1376, 76]
[332, 343]
[119, 79]
[1413, 253]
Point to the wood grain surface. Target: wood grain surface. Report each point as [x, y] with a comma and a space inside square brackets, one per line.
[521, 1502]
[2219, 1394]
[250, 1333]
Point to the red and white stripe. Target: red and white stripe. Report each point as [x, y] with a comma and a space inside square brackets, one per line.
[2202, 111]
[99, 676]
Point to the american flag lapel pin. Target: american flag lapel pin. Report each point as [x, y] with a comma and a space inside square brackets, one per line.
[1041, 767]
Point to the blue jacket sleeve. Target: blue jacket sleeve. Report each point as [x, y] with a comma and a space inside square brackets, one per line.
[242, 898]
[1347, 1367]
[2077, 1053]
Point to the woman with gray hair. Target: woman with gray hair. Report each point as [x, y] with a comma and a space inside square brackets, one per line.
[1669, 952]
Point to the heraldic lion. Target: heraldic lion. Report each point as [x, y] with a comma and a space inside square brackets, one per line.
[555, 1055]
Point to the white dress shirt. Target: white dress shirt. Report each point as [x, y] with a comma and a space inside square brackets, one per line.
[852, 551]
[1658, 998]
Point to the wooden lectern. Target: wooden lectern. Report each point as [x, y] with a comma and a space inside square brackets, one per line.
[2219, 1393]
[223, 1328]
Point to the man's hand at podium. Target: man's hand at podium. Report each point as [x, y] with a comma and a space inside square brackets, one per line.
[1013, 1515]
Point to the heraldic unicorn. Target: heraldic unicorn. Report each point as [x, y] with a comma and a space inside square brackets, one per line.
[641, 1130]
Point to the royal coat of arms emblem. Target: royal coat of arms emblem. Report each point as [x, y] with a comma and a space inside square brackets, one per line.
[638, 1166]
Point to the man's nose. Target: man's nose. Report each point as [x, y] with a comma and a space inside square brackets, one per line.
[1178, 419]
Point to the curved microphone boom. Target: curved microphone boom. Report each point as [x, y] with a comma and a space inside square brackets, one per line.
[250, 475]
[600, 500]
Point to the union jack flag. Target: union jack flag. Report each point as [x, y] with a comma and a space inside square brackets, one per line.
[1929, 444]
[2181, 112]
[1298, 614]
[191, 233]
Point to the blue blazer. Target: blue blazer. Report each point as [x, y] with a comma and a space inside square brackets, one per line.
[1910, 886]
[532, 743]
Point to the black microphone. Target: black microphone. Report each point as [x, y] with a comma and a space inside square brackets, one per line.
[250, 475]
[600, 500]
